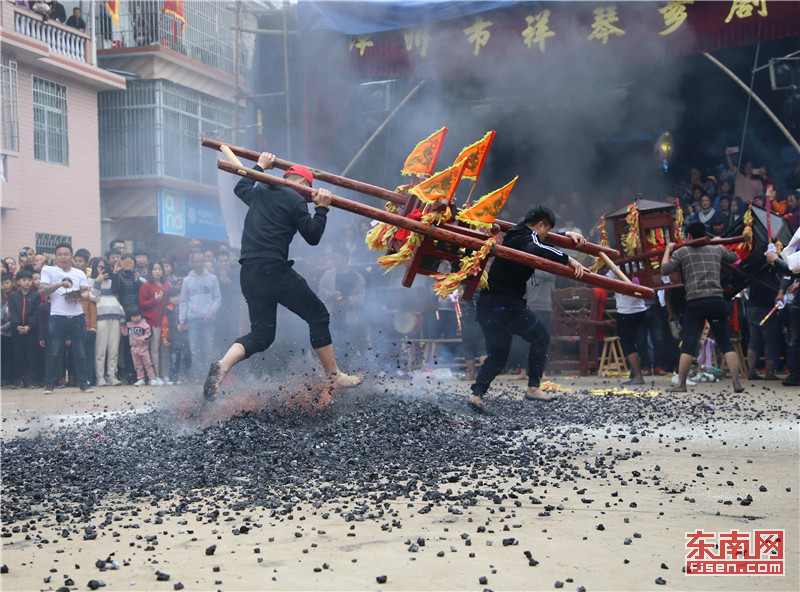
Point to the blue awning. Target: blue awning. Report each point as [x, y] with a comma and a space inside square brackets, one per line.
[360, 18]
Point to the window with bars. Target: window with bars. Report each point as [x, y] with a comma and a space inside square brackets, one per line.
[10, 113]
[153, 128]
[50, 142]
[46, 243]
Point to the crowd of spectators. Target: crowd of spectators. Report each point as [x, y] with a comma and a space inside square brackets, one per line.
[141, 321]
[161, 321]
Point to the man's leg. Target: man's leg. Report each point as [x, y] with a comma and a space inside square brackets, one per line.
[79, 339]
[195, 344]
[497, 335]
[794, 347]
[263, 310]
[718, 320]
[302, 301]
[528, 326]
[629, 328]
[56, 342]
[693, 321]
[684, 365]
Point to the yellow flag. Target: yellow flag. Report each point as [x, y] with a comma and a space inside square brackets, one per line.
[476, 155]
[441, 186]
[422, 160]
[483, 213]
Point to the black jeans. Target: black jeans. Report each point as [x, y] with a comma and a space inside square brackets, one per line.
[63, 329]
[655, 320]
[265, 285]
[500, 319]
[712, 309]
[25, 357]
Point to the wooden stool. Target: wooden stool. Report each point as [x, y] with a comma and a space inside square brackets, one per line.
[737, 347]
[612, 358]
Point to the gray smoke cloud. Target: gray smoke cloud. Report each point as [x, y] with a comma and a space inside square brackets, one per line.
[566, 122]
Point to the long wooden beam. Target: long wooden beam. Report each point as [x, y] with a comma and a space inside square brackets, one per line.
[731, 240]
[557, 240]
[443, 234]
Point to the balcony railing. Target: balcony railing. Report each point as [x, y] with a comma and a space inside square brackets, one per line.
[207, 37]
[59, 38]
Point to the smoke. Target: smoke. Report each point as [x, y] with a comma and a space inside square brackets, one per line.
[577, 124]
[580, 117]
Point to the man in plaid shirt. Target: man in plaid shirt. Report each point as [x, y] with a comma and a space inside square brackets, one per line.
[700, 268]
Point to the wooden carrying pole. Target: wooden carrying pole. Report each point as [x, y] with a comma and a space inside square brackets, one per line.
[732, 240]
[446, 235]
[557, 240]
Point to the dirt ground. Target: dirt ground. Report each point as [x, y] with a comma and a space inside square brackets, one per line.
[622, 532]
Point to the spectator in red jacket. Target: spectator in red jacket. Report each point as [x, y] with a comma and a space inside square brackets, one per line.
[152, 300]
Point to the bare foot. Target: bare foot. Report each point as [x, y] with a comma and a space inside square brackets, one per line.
[639, 380]
[678, 389]
[521, 376]
[213, 380]
[342, 380]
[475, 403]
[737, 386]
[534, 393]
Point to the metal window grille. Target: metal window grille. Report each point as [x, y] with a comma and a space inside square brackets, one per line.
[50, 142]
[46, 243]
[153, 129]
[10, 113]
[208, 36]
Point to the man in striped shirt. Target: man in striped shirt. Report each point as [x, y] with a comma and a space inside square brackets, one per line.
[700, 268]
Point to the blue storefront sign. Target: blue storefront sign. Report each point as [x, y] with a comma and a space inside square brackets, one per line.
[182, 214]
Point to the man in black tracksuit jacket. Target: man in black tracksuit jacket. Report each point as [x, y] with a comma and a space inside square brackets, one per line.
[502, 310]
[275, 214]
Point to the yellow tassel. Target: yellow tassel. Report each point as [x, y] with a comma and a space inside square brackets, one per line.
[678, 224]
[380, 236]
[404, 254]
[631, 242]
[469, 265]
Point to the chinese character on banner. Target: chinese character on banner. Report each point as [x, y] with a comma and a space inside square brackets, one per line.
[361, 43]
[537, 30]
[477, 34]
[602, 28]
[674, 15]
[419, 38]
[744, 9]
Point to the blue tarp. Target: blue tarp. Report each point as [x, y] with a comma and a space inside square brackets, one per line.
[360, 18]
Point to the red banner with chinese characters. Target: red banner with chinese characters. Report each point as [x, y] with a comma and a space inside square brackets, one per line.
[534, 32]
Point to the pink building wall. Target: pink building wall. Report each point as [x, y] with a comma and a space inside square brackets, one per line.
[39, 196]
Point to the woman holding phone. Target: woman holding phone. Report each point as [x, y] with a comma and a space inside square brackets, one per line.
[109, 311]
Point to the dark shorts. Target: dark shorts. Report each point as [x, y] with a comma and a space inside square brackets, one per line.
[712, 309]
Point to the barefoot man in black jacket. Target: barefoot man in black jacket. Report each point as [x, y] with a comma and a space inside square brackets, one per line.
[503, 312]
[274, 215]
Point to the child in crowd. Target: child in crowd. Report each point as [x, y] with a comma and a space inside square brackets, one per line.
[173, 338]
[24, 307]
[138, 332]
